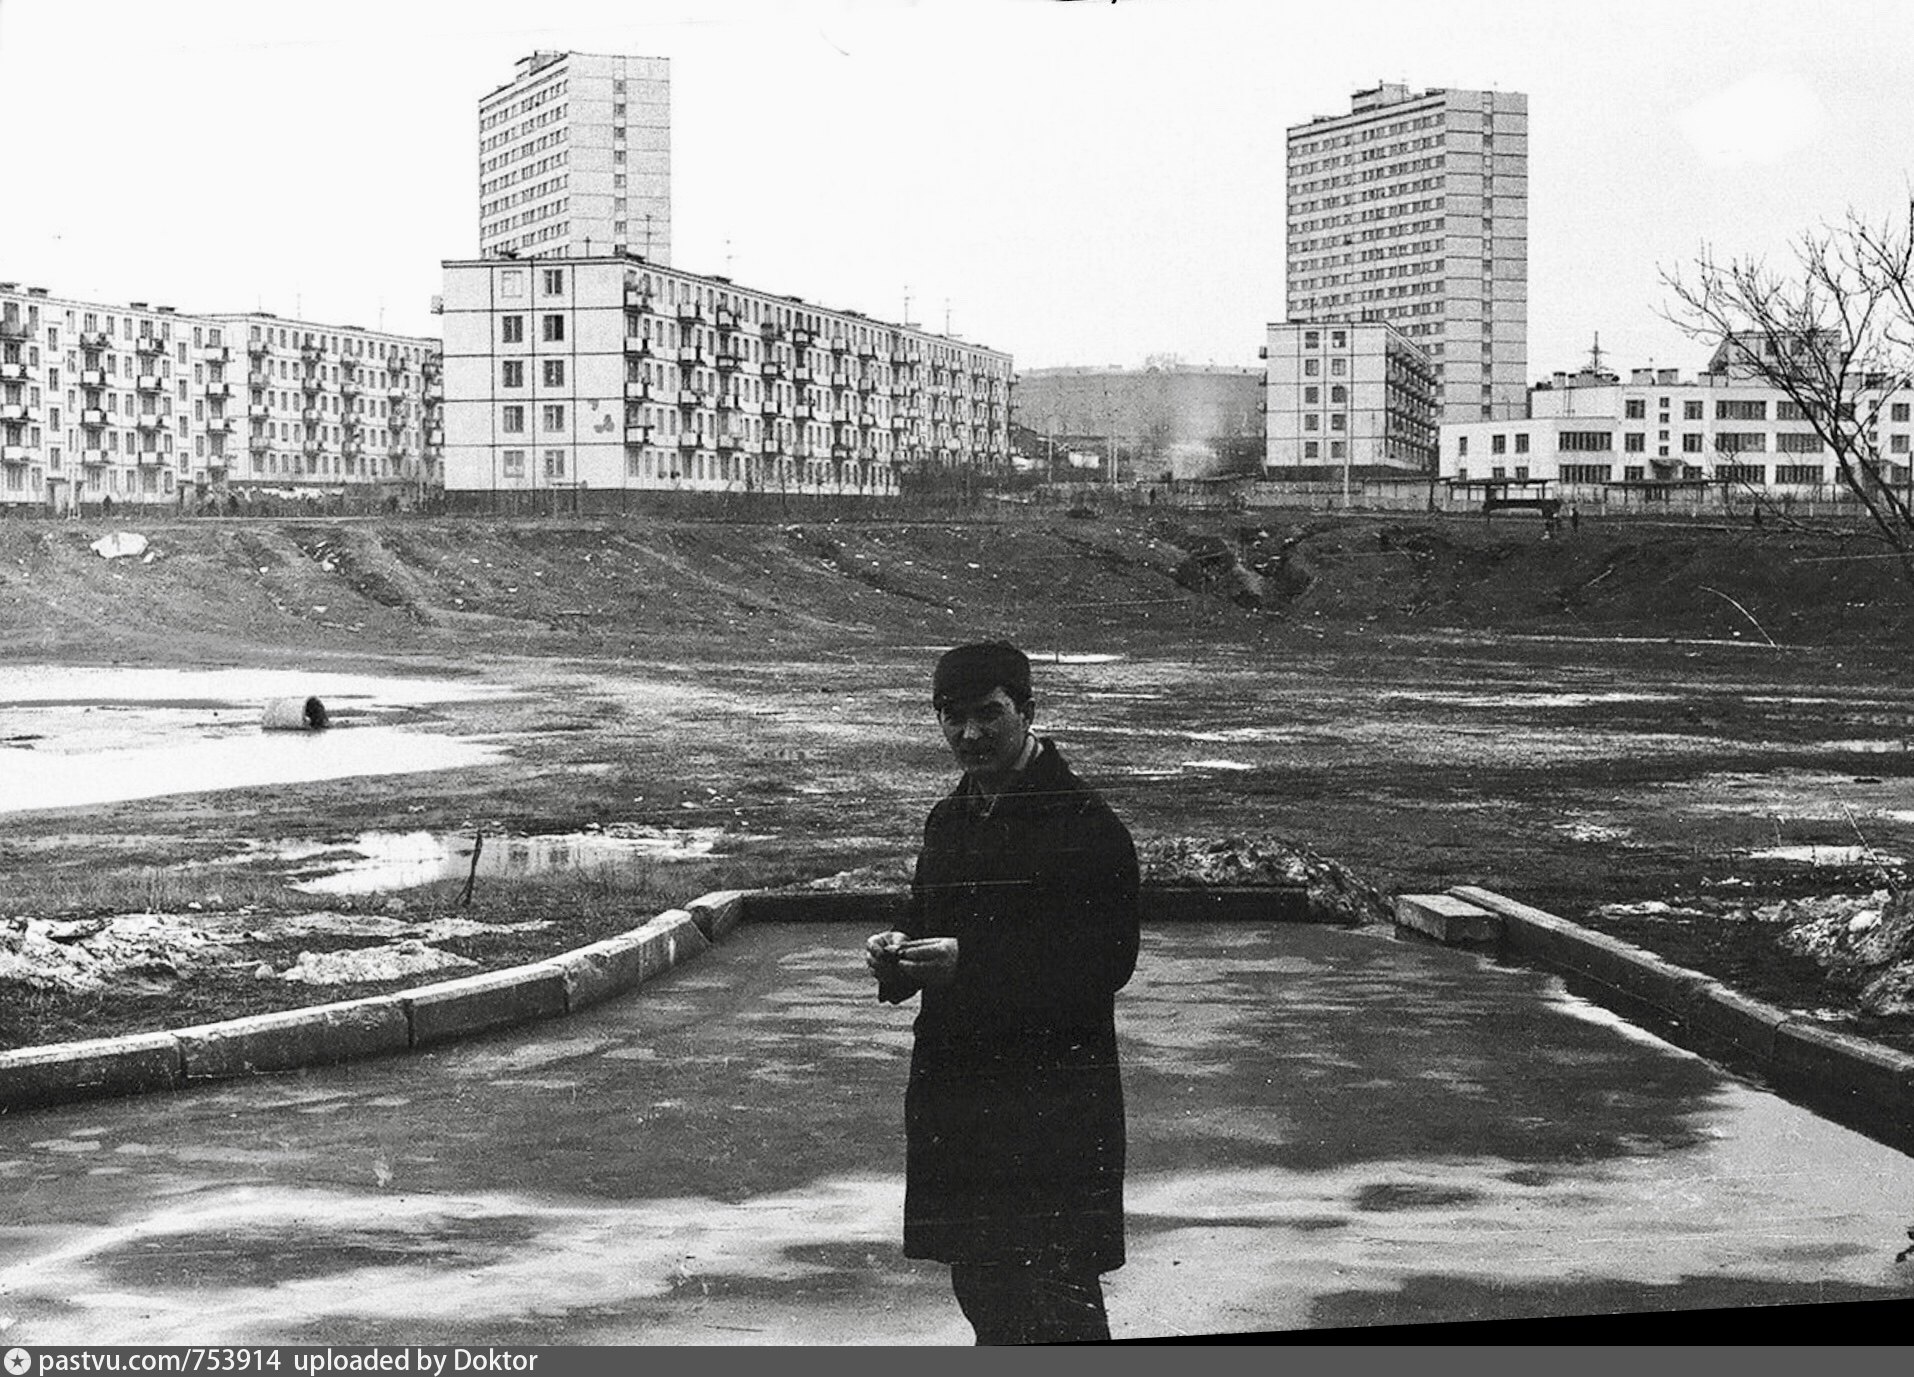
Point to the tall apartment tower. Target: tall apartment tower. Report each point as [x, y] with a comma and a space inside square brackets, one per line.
[1413, 209]
[575, 158]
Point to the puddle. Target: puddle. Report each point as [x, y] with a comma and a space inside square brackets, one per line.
[81, 737]
[375, 862]
[1216, 765]
[1826, 855]
[1522, 700]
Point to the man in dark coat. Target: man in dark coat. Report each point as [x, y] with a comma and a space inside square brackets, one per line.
[1022, 927]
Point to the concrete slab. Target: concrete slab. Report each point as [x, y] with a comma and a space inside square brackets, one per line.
[617, 964]
[1451, 921]
[481, 1003]
[348, 1031]
[76, 1070]
[1327, 1129]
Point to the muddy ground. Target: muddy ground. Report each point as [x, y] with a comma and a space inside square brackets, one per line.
[1694, 737]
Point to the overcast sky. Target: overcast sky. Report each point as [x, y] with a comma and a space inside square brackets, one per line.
[1077, 183]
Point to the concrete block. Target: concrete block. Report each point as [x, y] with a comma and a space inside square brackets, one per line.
[1225, 904]
[81, 1070]
[718, 914]
[878, 909]
[1537, 935]
[1725, 1023]
[617, 964]
[1871, 1082]
[480, 1003]
[345, 1031]
[1451, 921]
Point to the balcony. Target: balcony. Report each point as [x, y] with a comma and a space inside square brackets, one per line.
[259, 348]
[637, 434]
[312, 353]
[312, 384]
[219, 425]
[770, 329]
[149, 456]
[690, 310]
[730, 444]
[353, 449]
[17, 413]
[92, 377]
[150, 344]
[150, 382]
[312, 416]
[727, 318]
[313, 449]
[689, 439]
[94, 339]
[219, 389]
[218, 353]
[93, 416]
[348, 387]
[692, 354]
[94, 458]
[768, 405]
[686, 397]
[259, 413]
[15, 372]
[729, 362]
[12, 327]
[398, 454]
[14, 454]
[801, 335]
[774, 369]
[149, 423]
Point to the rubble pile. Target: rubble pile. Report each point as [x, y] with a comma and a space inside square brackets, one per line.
[1335, 894]
[1865, 942]
[129, 951]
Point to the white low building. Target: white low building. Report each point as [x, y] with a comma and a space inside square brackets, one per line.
[1597, 437]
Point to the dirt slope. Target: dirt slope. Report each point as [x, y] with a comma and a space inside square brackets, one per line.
[204, 588]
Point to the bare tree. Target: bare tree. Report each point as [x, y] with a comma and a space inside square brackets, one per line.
[1832, 332]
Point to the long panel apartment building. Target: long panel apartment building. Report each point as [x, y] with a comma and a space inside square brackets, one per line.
[1413, 209]
[607, 375]
[140, 405]
[575, 157]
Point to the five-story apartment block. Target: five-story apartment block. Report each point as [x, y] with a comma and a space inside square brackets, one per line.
[144, 405]
[609, 375]
[1413, 209]
[575, 157]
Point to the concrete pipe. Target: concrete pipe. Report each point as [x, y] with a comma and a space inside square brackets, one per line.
[295, 715]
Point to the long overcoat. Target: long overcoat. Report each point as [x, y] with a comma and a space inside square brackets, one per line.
[1014, 1111]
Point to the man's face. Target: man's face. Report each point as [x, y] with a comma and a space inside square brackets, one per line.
[985, 734]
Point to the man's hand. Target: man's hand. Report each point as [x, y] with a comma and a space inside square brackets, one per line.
[930, 961]
[881, 952]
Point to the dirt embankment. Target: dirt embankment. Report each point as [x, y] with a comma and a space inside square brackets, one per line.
[206, 589]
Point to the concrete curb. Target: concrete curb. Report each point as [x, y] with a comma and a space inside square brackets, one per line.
[1855, 1081]
[429, 1015]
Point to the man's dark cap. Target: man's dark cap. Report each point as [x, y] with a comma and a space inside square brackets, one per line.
[972, 671]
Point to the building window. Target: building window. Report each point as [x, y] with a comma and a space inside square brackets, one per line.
[1635, 442]
[1338, 421]
[1338, 395]
[554, 281]
[1522, 442]
[1691, 411]
[1897, 444]
[553, 329]
[554, 372]
[1742, 473]
[1585, 473]
[1691, 443]
[511, 329]
[1311, 396]
[512, 373]
[1310, 421]
[1797, 473]
[1586, 441]
[1635, 409]
[1797, 442]
[552, 417]
[1498, 444]
[1338, 367]
[513, 421]
[1897, 412]
[514, 463]
[1312, 368]
[1312, 449]
[1338, 449]
[1312, 339]
[511, 284]
[1741, 442]
[554, 463]
[1462, 446]
[1789, 411]
[1741, 411]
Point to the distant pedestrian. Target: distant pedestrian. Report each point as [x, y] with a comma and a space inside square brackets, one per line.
[1575, 518]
